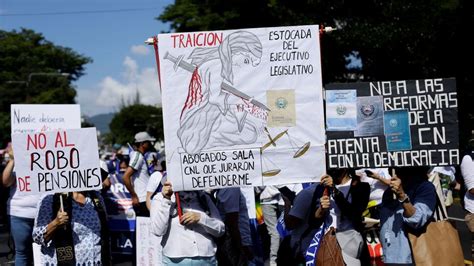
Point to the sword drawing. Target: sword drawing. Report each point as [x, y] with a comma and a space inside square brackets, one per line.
[180, 63]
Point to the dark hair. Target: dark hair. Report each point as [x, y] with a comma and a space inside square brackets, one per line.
[417, 172]
[338, 172]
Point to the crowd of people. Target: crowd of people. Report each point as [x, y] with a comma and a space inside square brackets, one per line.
[212, 227]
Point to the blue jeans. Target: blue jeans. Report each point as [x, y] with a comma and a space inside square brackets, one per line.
[21, 230]
[198, 261]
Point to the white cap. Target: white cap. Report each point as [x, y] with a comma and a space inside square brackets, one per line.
[143, 136]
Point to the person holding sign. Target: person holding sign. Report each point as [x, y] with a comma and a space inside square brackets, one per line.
[408, 202]
[22, 212]
[72, 229]
[155, 184]
[235, 247]
[189, 222]
[341, 207]
[136, 176]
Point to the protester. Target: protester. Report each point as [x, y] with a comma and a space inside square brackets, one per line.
[189, 223]
[409, 202]
[351, 197]
[155, 184]
[235, 247]
[341, 209]
[467, 171]
[22, 210]
[270, 199]
[118, 159]
[136, 176]
[75, 235]
[444, 180]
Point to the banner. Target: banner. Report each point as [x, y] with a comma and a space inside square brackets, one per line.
[27, 118]
[57, 161]
[120, 213]
[399, 123]
[242, 107]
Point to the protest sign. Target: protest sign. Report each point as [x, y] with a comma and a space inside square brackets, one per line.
[148, 244]
[57, 161]
[399, 123]
[26, 118]
[242, 107]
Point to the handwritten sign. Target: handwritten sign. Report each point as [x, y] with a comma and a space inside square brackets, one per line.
[57, 161]
[148, 244]
[251, 99]
[26, 118]
[414, 123]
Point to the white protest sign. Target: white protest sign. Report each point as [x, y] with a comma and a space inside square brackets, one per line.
[242, 107]
[26, 118]
[148, 244]
[57, 161]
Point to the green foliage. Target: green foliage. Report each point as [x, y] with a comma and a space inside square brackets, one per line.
[30, 68]
[394, 39]
[133, 119]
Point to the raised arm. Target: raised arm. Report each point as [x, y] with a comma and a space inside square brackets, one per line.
[160, 210]
[8, 178]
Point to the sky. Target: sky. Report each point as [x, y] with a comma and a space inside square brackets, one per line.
[122, 63]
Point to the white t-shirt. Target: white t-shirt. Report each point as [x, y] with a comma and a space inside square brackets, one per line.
[22, 204]
[467, 170]
[140, 177]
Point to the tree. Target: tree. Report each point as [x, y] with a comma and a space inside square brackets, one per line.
[25, 52]
[133, 119]
[393, 39]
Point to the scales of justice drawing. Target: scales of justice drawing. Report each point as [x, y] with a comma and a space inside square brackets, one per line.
[297, 147]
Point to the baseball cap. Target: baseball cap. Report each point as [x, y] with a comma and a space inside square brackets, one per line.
[143, 136]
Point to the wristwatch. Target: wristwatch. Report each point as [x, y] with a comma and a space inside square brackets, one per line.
[405, 200]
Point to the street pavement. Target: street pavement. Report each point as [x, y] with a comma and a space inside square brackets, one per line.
[5, 257]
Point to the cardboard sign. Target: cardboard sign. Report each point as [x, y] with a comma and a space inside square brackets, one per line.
[27, 118]
[242, 107]
[399, 123]
[57, 161]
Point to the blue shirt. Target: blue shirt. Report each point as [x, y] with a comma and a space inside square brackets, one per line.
[393, 236]
[231, 200]
[301, 235]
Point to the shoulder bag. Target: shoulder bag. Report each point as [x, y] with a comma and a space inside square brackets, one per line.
[438, 243]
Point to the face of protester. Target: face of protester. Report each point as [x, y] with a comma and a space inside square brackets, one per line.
[146, 146]
[123, 166]
[337, 175]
